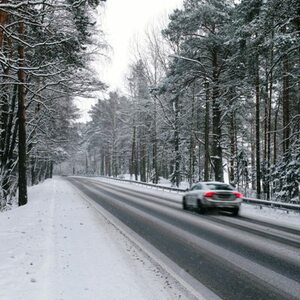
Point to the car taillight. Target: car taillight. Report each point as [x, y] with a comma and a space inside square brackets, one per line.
[209, 194]
[238, 194]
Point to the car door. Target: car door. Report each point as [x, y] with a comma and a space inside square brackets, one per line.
[192, 196]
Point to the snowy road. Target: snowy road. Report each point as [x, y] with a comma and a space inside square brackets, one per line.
[236, 258]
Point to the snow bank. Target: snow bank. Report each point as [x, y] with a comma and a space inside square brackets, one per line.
[272, 215]
[59, 247]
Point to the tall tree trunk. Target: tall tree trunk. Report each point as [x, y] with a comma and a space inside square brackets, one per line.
[253, 151]
[267, 112]
[176, 171]
[114, 139]
[232, 149]
[143, 158]
[107, 163]
[298, 106]
[298, 88]
[216, 120]
[154, 147]
[51, 169]
[33, 170]
[6, 150]
[3, 21]
[102, 163]
[134, 165]
[286, 105]
[206, 132]
[298, 80]
[192, 143]
[4, 114]
[22, 119]
[154, 161]
[275, 147]
[9, 128]
[269, 126]
[5, 125]
[86, 164]
[257, 127]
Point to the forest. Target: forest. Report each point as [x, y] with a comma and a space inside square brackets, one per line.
[45, 55]
[214, 94]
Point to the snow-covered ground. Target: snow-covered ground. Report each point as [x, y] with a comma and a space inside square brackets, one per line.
[162, 181]
[59, 247]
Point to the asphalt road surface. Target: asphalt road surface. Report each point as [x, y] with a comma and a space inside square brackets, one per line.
[234, 257]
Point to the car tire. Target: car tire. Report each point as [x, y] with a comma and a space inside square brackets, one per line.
[201, 209]
[235, 211]
[184, 206]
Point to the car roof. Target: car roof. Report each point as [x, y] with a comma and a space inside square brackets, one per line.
[210, 182]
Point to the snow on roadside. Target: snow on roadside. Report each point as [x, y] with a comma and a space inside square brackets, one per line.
[267, 214]
[152, 189]
[59, 247]
[161, 181]
[277, 216]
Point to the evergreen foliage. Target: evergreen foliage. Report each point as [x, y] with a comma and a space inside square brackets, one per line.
[219, 96]
[44, 66]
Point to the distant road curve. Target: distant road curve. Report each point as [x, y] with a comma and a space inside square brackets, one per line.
[236, 258]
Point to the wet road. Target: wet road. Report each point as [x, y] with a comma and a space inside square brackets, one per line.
[236, 258]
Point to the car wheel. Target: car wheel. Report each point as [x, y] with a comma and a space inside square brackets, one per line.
[201, 209]
[184, 206]
[235, 211]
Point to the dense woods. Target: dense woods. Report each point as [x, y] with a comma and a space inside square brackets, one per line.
[44, 65]
[213, 96]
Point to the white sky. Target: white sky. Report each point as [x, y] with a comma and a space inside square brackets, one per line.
[122, 21]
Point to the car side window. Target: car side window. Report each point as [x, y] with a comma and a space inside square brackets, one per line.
[197, 187]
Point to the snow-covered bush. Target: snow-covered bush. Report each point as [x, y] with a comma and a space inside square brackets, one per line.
[286, 177]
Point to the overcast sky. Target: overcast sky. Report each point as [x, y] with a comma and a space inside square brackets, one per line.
[122, 21]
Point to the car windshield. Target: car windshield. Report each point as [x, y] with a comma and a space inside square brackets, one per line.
[219, 186]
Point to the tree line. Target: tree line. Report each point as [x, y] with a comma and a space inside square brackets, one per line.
[44, 57]
[215, 95]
